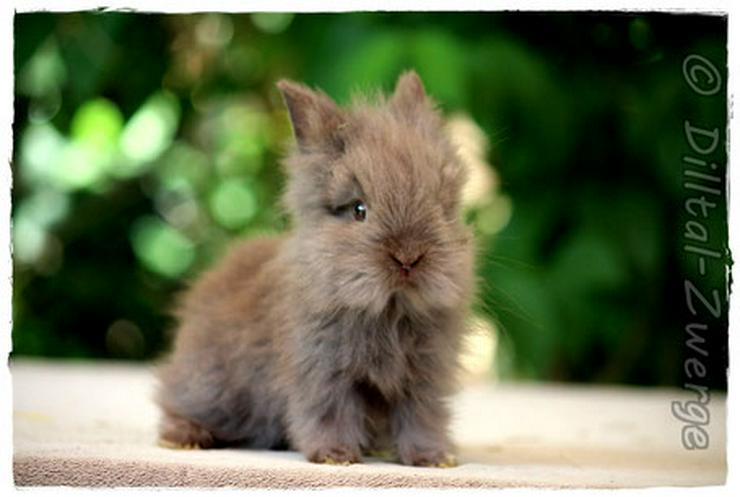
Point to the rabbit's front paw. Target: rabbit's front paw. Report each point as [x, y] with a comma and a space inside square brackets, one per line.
[338, 455]
[430, 458]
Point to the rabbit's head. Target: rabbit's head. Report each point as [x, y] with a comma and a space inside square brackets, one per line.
[374, 192]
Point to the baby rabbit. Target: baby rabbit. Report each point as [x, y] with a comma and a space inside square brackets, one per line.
[341, 337]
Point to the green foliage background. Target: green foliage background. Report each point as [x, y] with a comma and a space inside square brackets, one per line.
[144, 143]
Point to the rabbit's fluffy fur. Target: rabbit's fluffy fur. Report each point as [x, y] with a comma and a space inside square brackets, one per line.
[342, 336]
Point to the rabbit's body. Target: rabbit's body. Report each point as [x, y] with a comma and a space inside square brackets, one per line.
[342, 336]
[221, 374]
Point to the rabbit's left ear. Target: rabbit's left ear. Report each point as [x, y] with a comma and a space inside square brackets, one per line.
[409, 95]
[314, 116]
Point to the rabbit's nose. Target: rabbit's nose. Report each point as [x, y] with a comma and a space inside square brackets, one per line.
[405, 262]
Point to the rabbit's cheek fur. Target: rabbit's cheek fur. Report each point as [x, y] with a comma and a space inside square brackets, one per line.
[333, 267]
[358, 271]
[444, 286]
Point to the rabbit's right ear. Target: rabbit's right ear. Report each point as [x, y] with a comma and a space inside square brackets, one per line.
[314, 116]
[409, 95]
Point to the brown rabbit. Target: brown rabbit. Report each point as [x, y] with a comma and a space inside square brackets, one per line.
[342, 336]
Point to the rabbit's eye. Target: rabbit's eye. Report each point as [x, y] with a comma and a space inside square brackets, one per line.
[356, 209]
[359, 210]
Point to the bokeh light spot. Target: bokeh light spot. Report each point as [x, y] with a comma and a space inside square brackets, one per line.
[124, 339]
[479, 348]
[214, 30]
[97, 124]
[45, 207]
[44, 73]
[233, 203]
[272, 22]
[29, 238]
[161, 248]
[493, 217]
[79, 167]
[40, 149]
[149, 132]
[640, 33]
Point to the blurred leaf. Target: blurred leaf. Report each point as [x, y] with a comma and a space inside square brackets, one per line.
[441, 62]
[529, 116]
[526, 317]
[586, 263]
[375, 61]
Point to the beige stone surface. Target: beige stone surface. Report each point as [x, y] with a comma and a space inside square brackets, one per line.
[94, 424]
